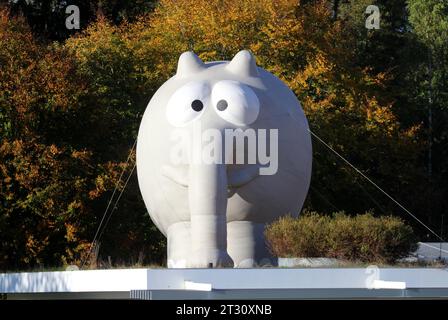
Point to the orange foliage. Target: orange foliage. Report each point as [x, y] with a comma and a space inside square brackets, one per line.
[68, 111]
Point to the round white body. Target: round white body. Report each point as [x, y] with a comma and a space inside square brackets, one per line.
[208, 194]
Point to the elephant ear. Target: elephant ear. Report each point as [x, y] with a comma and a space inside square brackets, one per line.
[189, 63]
[243, 64]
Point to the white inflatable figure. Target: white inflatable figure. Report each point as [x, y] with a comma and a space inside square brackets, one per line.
[223, 149]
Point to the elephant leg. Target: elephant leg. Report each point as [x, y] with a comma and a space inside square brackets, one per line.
[179, 244]
[246, 245]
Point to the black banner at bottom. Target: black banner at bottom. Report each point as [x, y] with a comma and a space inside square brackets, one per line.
[214, 309]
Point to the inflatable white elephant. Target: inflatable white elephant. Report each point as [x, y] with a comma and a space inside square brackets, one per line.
[223, 148]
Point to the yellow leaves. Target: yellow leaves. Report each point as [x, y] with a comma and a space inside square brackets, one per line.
[99, 33]
[53, 150]
[311, 107]
[380, 118]
[99, 183]
[41, 188]
[34, 246]
[17, 147]
[71, 232]
[105, 180]
[219, 28]
[49, 204]
[378, 79]
[30, 243]
[317, 70]
[411, 133]
[34, 77]
[83, 155]
[74, 209]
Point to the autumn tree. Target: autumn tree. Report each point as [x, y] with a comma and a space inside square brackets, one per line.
[70, 110]
[347, 103]
[44, 185]
[55, 177]
[118, 88]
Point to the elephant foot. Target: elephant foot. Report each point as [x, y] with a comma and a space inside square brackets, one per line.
[247, 246]
[210, 259]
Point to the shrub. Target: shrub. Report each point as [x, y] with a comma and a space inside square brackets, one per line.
[362, 238]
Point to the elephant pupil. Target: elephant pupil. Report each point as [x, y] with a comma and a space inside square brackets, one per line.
[197, 105]
[222, 105]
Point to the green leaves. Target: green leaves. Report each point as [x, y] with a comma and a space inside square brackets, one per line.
[362, 238]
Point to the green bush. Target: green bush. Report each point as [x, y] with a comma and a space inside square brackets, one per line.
[362, 238]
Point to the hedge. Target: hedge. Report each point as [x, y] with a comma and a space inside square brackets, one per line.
[361, 238]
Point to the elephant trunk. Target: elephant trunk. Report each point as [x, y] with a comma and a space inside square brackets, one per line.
[208, 205]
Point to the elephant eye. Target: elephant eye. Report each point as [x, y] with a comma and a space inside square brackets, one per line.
[187, 103]
[235, 102]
